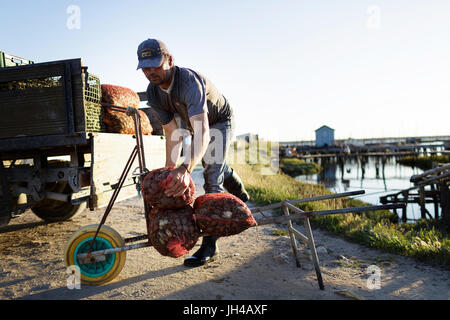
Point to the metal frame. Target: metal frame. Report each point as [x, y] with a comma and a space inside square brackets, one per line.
[139, 152]
[308, 239]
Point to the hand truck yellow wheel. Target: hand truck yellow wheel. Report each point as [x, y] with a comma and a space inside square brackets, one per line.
[95, 270]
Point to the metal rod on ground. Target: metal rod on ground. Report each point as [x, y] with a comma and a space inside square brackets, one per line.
[312, 248]
[301, 236]
[318, 198]
[292, 236]
[86, 256]
[302, 214]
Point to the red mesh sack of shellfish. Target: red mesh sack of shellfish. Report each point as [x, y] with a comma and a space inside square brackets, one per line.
[119, 96]
[119, 122]
[173, 232]
[154, 185]
[222, 214]
[146, 126]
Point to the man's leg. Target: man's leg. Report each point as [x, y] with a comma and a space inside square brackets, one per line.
[215, 172]
[219, 176]
[234, 185]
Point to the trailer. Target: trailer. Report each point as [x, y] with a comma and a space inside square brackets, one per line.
[55, 157]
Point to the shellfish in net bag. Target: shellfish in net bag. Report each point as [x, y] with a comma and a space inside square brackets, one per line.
[154, 185]
[222, 214]
[173, 232]
[118, 122]
[120, 96]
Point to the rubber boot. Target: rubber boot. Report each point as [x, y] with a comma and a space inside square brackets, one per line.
[234, 185]
[208, 252]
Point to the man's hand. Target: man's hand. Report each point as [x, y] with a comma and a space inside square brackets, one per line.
[178, 182]
[179, 179]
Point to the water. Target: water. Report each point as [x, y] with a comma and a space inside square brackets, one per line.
[375, 176]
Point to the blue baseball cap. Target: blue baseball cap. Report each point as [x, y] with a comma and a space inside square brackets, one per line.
[151, 53]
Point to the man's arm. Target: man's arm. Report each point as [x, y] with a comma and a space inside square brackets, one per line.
[200, 140]
[173, 143]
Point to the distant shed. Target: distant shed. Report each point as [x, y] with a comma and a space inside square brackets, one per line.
[324, 136]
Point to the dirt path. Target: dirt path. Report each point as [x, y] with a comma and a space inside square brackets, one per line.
[256, 264]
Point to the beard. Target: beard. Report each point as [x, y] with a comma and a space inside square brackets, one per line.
[156, 79]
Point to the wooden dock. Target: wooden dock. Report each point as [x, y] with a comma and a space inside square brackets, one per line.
[311, 152]
[372, 154]
[431, 186]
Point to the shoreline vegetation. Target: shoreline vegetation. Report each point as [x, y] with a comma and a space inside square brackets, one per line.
[295, 167]
[425, 240]
[423, 162]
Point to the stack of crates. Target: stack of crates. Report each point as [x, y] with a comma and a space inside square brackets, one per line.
[92, 107]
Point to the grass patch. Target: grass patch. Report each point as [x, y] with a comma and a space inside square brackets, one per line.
[423, 162]
[425, 240]
[279, 232]
[295, 167]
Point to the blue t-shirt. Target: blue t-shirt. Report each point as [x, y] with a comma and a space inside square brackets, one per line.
[189, 94]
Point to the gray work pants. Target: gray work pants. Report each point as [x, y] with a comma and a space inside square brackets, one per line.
[216, 170]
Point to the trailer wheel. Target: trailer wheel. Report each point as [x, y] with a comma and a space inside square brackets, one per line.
[100, 272]
[54, 210]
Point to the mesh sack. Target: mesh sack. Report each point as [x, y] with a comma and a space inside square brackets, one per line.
[222, 214]
[146, 127]
[119, 96]
[173, 232]
[119, 122]
[154, 185]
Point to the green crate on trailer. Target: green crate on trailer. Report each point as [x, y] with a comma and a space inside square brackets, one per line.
[45, 82]
[93, 109]
[9, 60]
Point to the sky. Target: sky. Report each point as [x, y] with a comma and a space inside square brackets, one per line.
[378, 68]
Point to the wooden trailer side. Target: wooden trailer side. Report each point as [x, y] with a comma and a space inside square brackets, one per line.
[110, 153]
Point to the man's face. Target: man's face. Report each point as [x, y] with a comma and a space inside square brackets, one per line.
[161, 74]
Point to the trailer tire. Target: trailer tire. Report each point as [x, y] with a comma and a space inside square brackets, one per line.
[101, 272]
[53, 210]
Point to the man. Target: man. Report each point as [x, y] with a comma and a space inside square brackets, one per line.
[205, 111]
